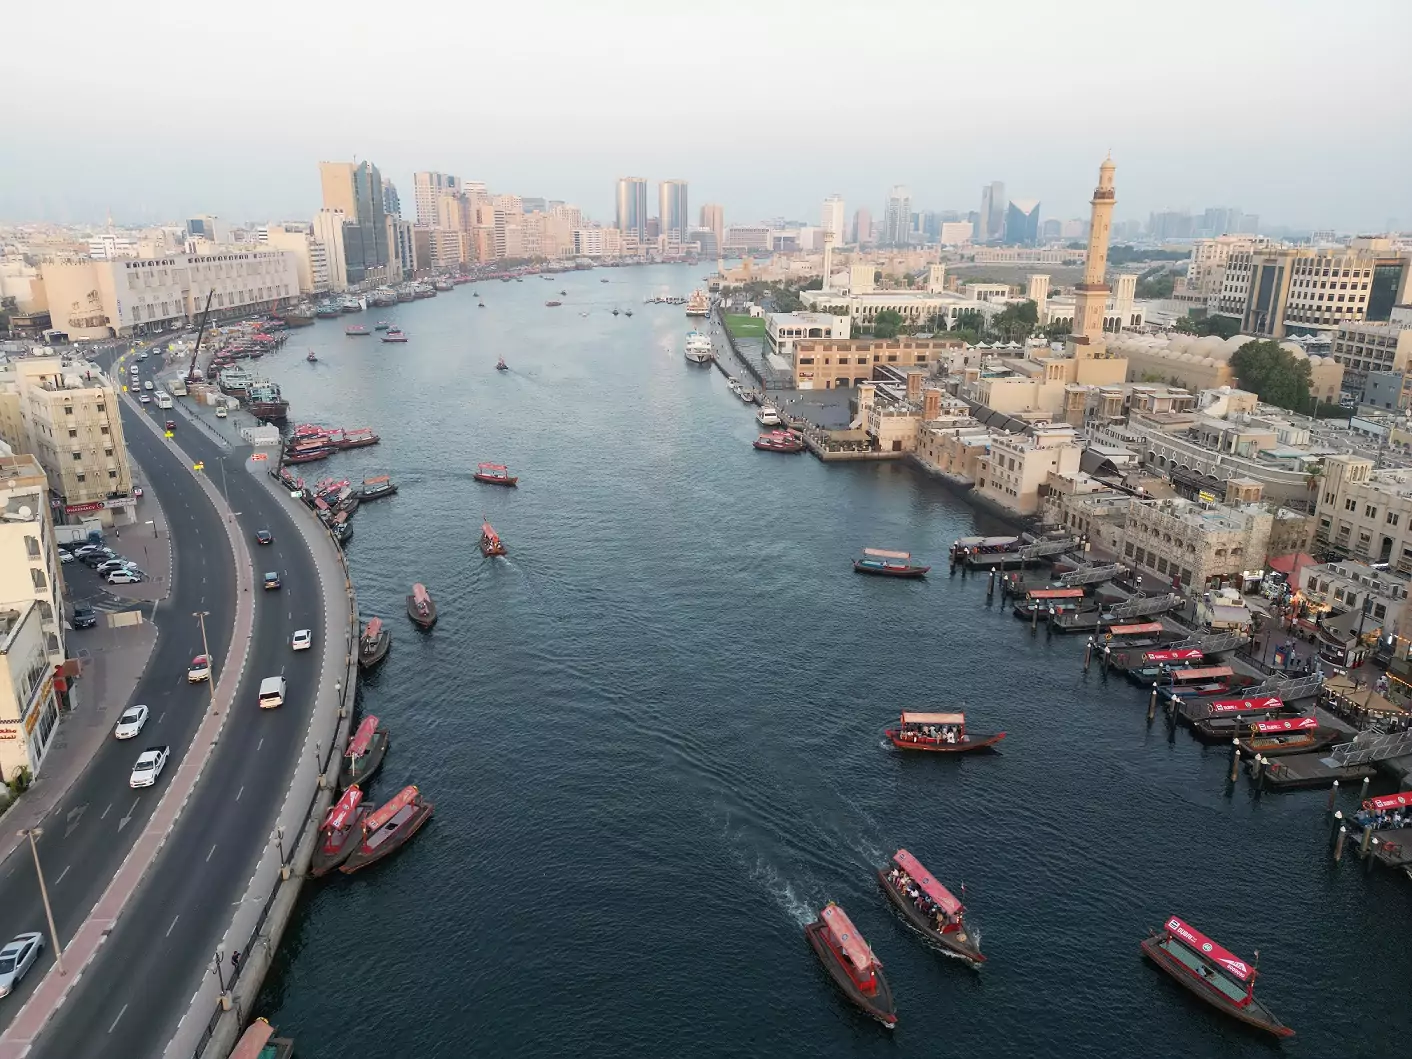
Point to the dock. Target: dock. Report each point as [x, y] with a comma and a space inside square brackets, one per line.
[1302, 772]
[1392, 847]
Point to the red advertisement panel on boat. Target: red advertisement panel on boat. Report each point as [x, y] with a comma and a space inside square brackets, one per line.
[342, 813]
[1291, 724]
[363, 737]
[1056, 593]
[945, 900]
[1224, 707]
[1389, 801]
[1208, 948]
[1147, 628]
[846, 936]
[405, 797]
[1174, 654]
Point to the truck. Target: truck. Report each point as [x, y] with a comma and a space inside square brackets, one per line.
[164, 400]
[177, 385]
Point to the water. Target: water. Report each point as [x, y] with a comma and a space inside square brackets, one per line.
[653, 737]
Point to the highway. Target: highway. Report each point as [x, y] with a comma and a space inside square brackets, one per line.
[91, 830]
[134, 993]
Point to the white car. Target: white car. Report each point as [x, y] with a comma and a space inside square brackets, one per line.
[124, 577]
[67, 557]
[131, 722]
[303, 640]
[148, 385]
[144, 399]
[199, 670]
[150, 764]
[16, 958]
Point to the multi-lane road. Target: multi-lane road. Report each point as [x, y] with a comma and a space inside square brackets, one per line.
[134, 992]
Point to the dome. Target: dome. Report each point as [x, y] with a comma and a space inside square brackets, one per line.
[1296, 349]
[1210, 362]
[1314, 362]
[1209, 345]
[1185, 358]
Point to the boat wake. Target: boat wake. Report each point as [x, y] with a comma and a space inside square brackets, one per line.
[780, 889]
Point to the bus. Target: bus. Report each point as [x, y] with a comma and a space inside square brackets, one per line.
[177, 385]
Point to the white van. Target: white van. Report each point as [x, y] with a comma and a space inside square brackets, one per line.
[163, 400]
[271, 692]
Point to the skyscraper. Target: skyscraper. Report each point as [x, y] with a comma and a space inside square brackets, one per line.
[863, 226]
[897, 219]
[356, 189]
[1022, 222]
[427, 189]
[832, 218]
[713, 216]
[672, 211]
[632, 207]
[1091, 296]
[991, 223]
[391, 201]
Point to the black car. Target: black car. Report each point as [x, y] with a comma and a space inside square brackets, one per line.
[264, 537]
[84, 617]
[98, 558]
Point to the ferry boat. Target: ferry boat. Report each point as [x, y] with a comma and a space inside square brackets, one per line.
[356, 331]
[851, 963]
[929, 908]
[1227, 719]
[1203, 680]
[339, 832]
[699, 349]
[889, 564]
[377, 488]
[357, 438]
[1138, 634]
[364, 755]
[779, 441]
[768, 416]
[615, 312]
[388, 829]
[235, 382]
[494, 474]
[699, 304]
[420, 606]
[328, 311]
[374, 643]
[381, 325]
[748, 396]
[351, 304]
[1043, 601]
[1292, 735]
[308, 455]
[500, 365]
[405, 293]
[311, 358]
[553, 305]
[392, 334]
[943, 733]
[1212, 973]
[490, 542]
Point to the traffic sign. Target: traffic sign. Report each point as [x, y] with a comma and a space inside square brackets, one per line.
[260, 456]
[198, 466]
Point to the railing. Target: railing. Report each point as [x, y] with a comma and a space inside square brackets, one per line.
[1089, 575]
[1134, 608]
[1368, 747]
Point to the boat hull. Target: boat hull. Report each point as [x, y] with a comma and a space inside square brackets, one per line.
[336, 847]
[364, 768]
[370, 657]
[377, 494]
[1318, 740]
[958, 943]
[879, 1007]
[362, 857]
[490, 479]
[967, 743]
[859, 567]
[427, 620]
[1254, 1014]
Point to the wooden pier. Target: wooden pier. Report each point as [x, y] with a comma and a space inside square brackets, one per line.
[1392, 847]
[1299, 772]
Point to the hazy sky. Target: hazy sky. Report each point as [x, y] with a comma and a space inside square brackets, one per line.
[1297, 111]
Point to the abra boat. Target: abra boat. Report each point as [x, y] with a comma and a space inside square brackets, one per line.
[377, 488]
[768, 416]
[1215, 975]
[490, 542]
[374, 643]
[340, 831]
[1290, 735]
[494, 474]
[942, 733]
[311, 358]
[381, 325]
[851, 963]
[393, 335]
[779, 441]
[553, 305]
[420, 607]
[1226, 719]
[357, 330]
[889, 564]
[388, 829]
[500, 365]
[929, 908]
[364, 754]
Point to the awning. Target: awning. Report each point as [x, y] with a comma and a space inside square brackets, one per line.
[1180, 675]
[1174, 654]
[1390, 801]
[1259, 704]
[933, 718]
[1204, 946]
[1146, 628]
[1290, 565]
[945, 900]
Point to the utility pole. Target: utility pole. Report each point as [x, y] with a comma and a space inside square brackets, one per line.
[32, 833]
[200, 615]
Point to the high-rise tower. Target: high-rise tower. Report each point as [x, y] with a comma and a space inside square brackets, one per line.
[632, 207]
[1091, 301]
[671, 212]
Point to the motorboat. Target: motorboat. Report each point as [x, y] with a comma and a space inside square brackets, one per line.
[377, 488]
[1212, 973]
[552, 304]
[500, 365]
[780, 441]
[494, 474]
[882, 563]
[768, 416]
[929, 908]
[340, 831]
[943, 733]
[851, 963]
[356, 331]
[1289, 735]
[388, 829]
[615, 312]
[420, 606]
[374, 643]
[392, 334]
[364, 755]
[699, 349]
[627, 312]
[490, 542]
[381, 325]
[311, 358]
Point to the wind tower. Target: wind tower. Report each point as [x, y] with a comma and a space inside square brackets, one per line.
[1091, 301]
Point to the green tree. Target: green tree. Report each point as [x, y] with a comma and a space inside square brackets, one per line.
[1273, 373]
[1059, 329]
[887, 323]
[817, 283]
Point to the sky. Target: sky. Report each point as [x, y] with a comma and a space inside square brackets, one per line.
[154, 110]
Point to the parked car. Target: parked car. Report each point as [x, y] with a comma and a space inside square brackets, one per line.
[271, 579]
[67, 557]
[17, 958]
[131, 722]
[124, 577]
[97, 558]
[119, 563]
[150, 764]
[84, 617]
[303, 640]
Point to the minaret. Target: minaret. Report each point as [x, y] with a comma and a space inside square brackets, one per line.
[828, 257]
[1092, 294]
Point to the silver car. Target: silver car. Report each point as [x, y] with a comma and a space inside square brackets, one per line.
[16, 959]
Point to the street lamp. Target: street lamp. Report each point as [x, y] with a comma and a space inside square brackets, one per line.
[32, 833]
[155, 531]
[279, 838]
[200, 615]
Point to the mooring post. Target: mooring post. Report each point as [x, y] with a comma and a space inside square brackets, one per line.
[1088, 653]
[1367, 838]
[1333, 793]
[990, 586]
[1363, 793]
[1338, 843]
[1235, 759]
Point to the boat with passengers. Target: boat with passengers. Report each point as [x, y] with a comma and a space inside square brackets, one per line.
[851, 963]
[421, 608]
[966, 547]
[780, 441]
[1225, 719]
[373, 644]
[364, 755]
[1212, 973]
[929, 908]
[494, 474]
[882, 563]
[1288, 735]
[388, 829]
[1148, 667]
[942, 733]
[490, 542]
[339, 833]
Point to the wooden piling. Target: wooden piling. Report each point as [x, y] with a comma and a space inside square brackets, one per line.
[1152, 702]
[1333, 793]
[1257, 768]
[1235, 759]
[1034, 620]
[1363, 793]
[1338, 843]
[1367, 838]
[1088, 653]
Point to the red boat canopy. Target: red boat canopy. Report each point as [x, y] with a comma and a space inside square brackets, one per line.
[1389, 801]
[419, 594]
[1292, 724]
[405, 797]
[847, 938]
[488, 531]
[1202, 674]
[879, 553]
[1056, 593]
[1199, 942]
[1136, 630]
[1174, 654]
[252, 1042]
[490, 467]
[945, 900]
[933, 718]
[341, 815]
[1257, 705]
[374, 629]
[361, 738]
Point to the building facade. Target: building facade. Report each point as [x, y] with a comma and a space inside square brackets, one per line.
[830, 363]
[832, 219]
[713, 216]
[782, 330]
[1363, 348]
[1018, 464]
[29, 562]
[29, 706]
[632, 208]
[897, 217]
[673, 214]
[1276, 291]
[1365, 514]
[1022, 222]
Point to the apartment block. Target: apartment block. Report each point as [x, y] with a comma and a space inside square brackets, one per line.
[29, 704]
[29, 563]
[1275, 289]
[1366, 514]
[828, 363]
[1370, 347]
[1019, 464]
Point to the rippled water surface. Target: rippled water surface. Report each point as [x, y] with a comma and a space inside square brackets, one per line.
[653, 737]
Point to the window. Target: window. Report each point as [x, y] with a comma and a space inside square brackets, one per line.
[112, 474]
[102, 407]
[46, 612]
[104, 431]
[108, 453]
[80, 477]
[1370, 511]
[32, 547]
[73, 433]
[78, 455]
[40, 581]
[1391, 518]
[68, 410]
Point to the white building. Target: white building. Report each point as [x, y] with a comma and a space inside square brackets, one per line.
[328, 230]
[783, 329]
[29, 563]
[832, 219]
[957, 233]
[29, 707]
[598, 242]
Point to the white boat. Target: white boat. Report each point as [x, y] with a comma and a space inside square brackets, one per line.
[698, 304]
[768, 416]
[748, 396]
[699, 349]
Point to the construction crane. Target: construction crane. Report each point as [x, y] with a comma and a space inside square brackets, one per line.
[191, 373]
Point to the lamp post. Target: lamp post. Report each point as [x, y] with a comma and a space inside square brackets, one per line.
[32, 833]
[279, 838]
[200, 615]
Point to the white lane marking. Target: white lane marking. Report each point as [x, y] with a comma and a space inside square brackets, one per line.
[174, 919]
[209, 855]
[115, 1021]
[61, 875]
[239, 793]
[160, 716]
[105, 812]
[259, 744]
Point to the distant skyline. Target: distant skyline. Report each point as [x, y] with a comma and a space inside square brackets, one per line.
[1226, 105]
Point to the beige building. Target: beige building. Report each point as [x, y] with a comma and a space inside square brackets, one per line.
[310, 256]
[1206, 269]
[328, 231]
[29, 563]
[1018, 464]
[1202, 545]
[829, 363]
[1368, 347]
[29, 705]
[1306, 288]
[65, 413]
[713, 216]
[1366, 514]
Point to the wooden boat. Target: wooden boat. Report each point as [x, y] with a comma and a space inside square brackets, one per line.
[381, 325]
[1040, 601]
[1197, 681]
[490, 542]
[388, 829]
[420, 607]
[500, 365]
[356, 331]
[340, 831]
[373, 645]
[311, 358]
[259, 1042]
[934, 912]
[494, 474]
[1289, 735]
[943, 733]
[364, 755]
[377, 488]
[780, 441]
[553, 305]
[889, 564]
[851, 963]
[1226, 719]
[393, 335]
[1213, 974]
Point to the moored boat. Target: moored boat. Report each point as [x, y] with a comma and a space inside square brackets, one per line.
[1227, 719]
[356, 330]
[494, 474]
[340, 831]
[392, 334]
[1212, 973]
[699, 304]
[364, 755]
[1290, 735]
[374, 643]
[490, 542]
[851, 963]
[377, 488]
[779, 441]
[381, 325]
[889, 564]
[388, 829]
[768, 416]
[698, 348]
[421, 608]
[943, 733]
[353, 439]
[929, 908]
[552, 304]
